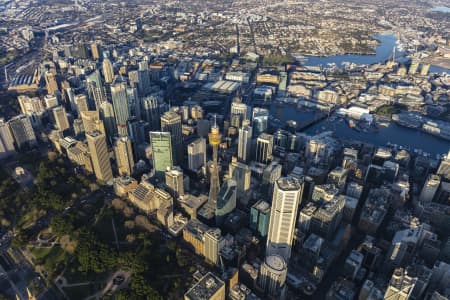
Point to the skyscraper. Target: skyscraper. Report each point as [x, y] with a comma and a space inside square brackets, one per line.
[226, 200]
[175, 182]
[108, 70]
[124, 156]
[121, 107]
[81, 103]
[430, 188]
[444, 167]
[171, 122]
[107, 116]
[259, 217]
[89, 118]
[213, 244]
[6, 140]
[152, 112]
[264, 145]
[241, 173]
[244, 143]
[33, 109]
[99, 155]
[60, 116]
[214, 140]
[272, 276]
[22, 131]
[239, 113]
[260, 117]
[50, 82]
[95, 50]
[196, 154]
[161, 143]
[95, 89]
[286, 198]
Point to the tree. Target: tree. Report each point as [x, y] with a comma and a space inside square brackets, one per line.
[139, 289]
[61, 225]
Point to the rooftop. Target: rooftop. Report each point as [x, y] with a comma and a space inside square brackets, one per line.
[207, 287]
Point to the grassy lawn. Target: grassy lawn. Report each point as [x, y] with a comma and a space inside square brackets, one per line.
[52, 259]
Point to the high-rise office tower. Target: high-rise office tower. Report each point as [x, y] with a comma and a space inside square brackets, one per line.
[134, 103]
[95, 50]
[171, 122]
[214, 140]
[400, 286]
[226, 200]
[213, 245]
[175, 182]
[50, 82]
[244, 143]
[259, 217]
[161, 143]
[60, 116]
[108, 70]
[286, 199]
[152, 112]
[121, 107]
[70, 96]
[241, 173]
[138, 131]
[144, 79]
[33, 109]
[444, 167]
[6, 140]
[264, 146]
[99, 155]
[89, 118]
[106, 112]
[196, 154]
[260, 119]
[239, 113]
[81, 103]
[78, 128]
[272, 276]
[50, 101]
[96, 92]
[22, 131]
[124, 156]
[430, 188]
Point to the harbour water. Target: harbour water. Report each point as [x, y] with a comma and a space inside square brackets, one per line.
[383, 53]
[443, 9]
[395, 134]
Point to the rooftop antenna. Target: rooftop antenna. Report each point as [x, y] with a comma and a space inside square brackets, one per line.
[215, 120]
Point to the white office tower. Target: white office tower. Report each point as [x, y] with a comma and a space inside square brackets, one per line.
[124, 156]
[264, 146]
[286, 199]
[174, 181]
[244, 143]
[213, 244]
[430, 188]
[239, 113]
[108, 70]
[60, 116]
[272, 276]
[196, 154]
[6, 140]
